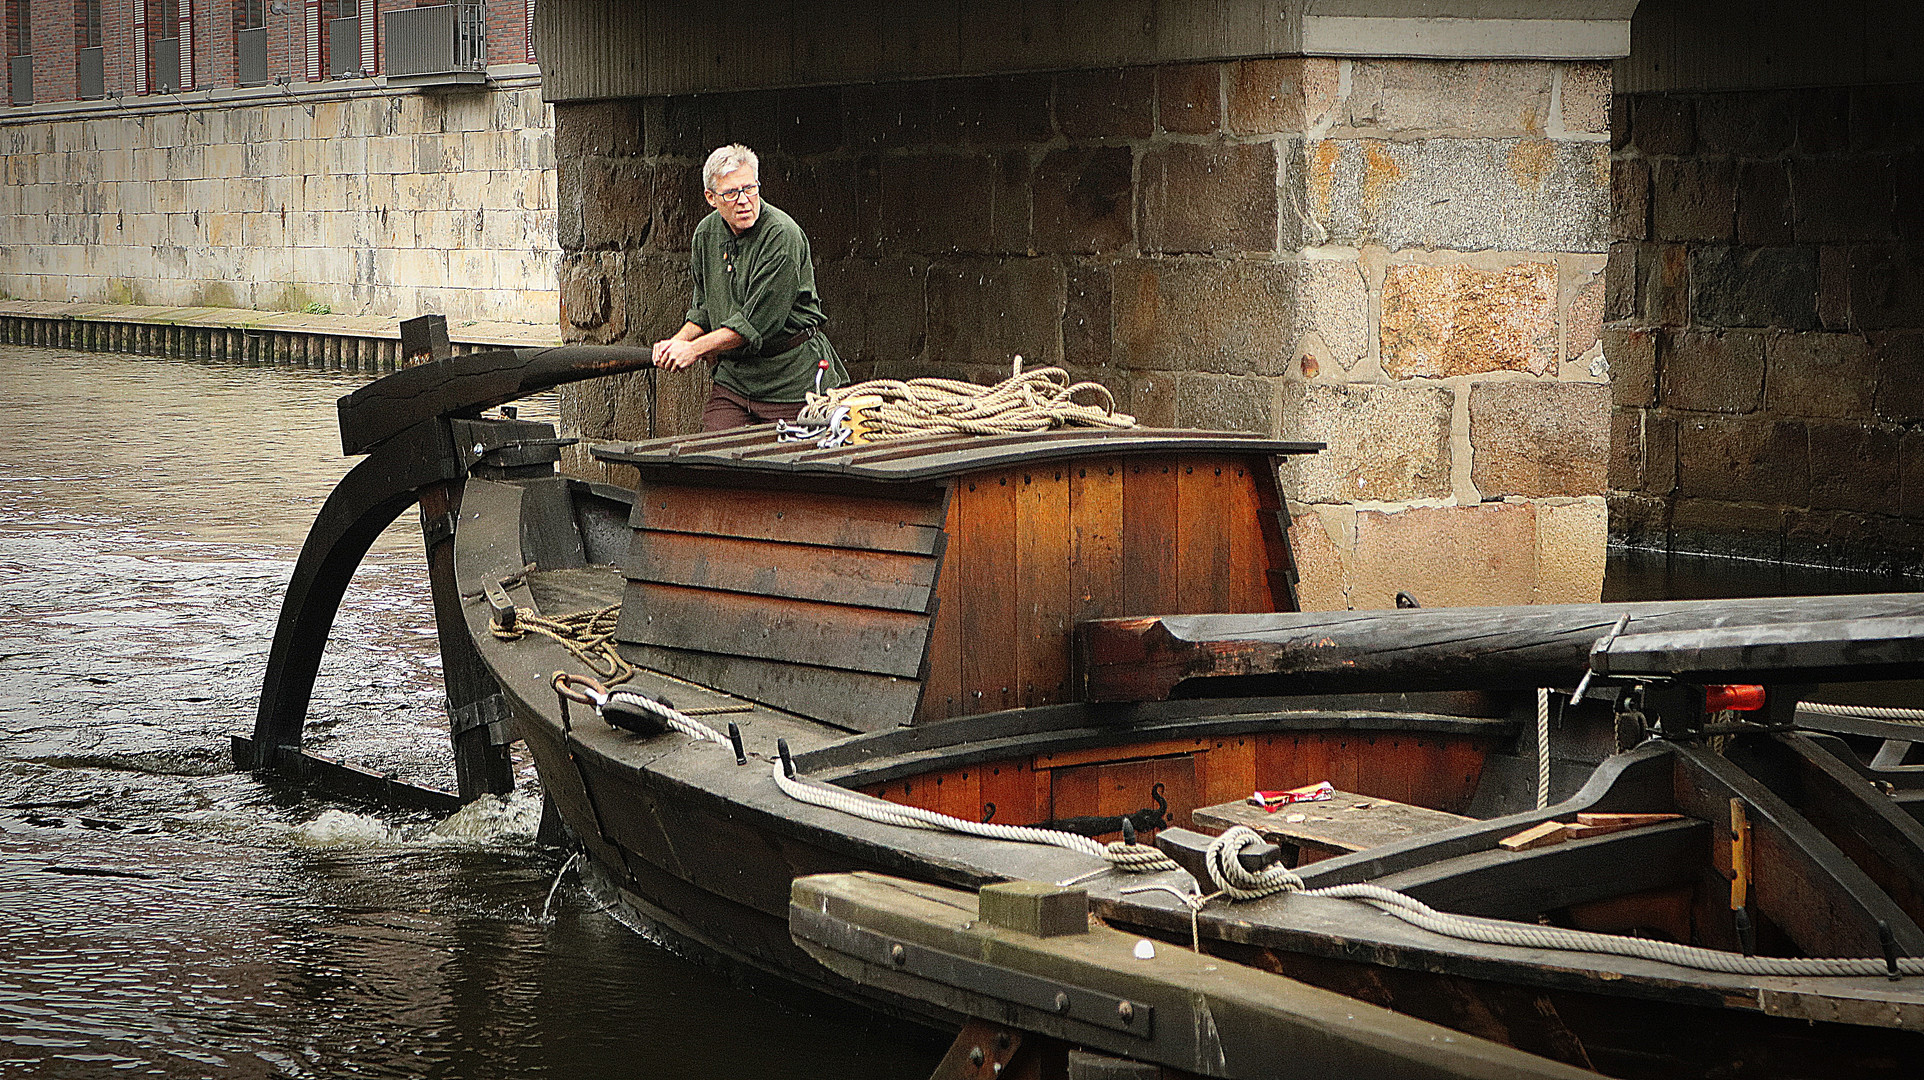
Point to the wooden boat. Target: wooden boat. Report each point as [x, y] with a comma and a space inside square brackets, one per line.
[1000, 629]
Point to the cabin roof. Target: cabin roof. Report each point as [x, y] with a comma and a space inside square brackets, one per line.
[926, 458]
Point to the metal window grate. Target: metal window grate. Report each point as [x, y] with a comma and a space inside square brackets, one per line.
[344, 48]
[167, 65]
[91, 68]
[250, 48]
[20, 80]
[436, 40]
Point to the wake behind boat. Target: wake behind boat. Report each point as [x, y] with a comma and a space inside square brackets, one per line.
[1072, 658]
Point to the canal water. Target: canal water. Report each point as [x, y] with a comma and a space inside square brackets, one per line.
[163, 916]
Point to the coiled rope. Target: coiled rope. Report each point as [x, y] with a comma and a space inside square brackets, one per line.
[1035, 400]
[1238, 883]
[587, 635]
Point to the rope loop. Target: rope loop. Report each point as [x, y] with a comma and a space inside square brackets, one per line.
[1036, 400]
[587, 635]
[1226, 871]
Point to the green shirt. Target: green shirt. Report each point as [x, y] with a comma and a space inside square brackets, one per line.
[761, 285]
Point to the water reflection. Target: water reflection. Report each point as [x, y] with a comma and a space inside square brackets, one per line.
[161, 916]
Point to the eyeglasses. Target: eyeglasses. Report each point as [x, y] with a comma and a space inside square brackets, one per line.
[740, 194]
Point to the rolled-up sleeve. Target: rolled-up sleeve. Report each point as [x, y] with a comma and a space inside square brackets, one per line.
[773, 283]
[698, 308]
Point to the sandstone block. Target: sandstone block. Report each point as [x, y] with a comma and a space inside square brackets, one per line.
[959, 220]
[1189, 98]
[1485, 97]
[1823, 119]
[1084, 201]
[884, 115]
[1748, 460]
[808, 120]
[1538, 439]
[1266, 96]
[598, 129]
[1900, 376]
[1087, 323]
[1693, 199]
[1633, 365]
[1110, 103]
[1843, 200]
[1003, 110]
[1336, 308]
[1446, 556]
[822, 197]
[658, 290]
[1854, 466]
[1441, 321]
[1639, 520]
[1663, 285]
[1908, 215]
[1467, 194]
[593, 301]
[1738, 286]
[987, 311]
[1384, 443]
[1662, 124]
[1756, 125]
[1151, 397]
[1586, 97]
[1322, 572]
[1583, 322]
[1228, 402]
[1204, 315]
[1887, 117]
[1887, 287]
[1572, 542]
[1217, 197]
[1813, 374]
[1712, 372]
[1620, 279]
[1911, 475]
[1629, 199]
[1764, 211]
[1626, 449]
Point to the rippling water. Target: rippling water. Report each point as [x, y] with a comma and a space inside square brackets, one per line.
[161, 916]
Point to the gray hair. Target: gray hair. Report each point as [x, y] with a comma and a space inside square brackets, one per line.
[727, 159]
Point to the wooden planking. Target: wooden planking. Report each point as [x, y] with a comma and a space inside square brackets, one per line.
[1206, 508]
[1149, 508]
[1044, 598]
[986, 592]
[1095, 543]
[882, 579]
[857, 700]
[843, 521]
[793, 631]
[1011, 786]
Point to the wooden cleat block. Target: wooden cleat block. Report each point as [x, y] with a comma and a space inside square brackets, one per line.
[1035, 907]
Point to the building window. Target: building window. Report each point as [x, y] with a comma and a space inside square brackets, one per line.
[90, 72]
[250, 42]
[19, 52]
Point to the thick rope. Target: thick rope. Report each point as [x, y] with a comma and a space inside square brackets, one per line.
[670, 715]
[1035, 400]
[587, 635]
[1134, 858]
[1237, 883]
[1868, 712]
[1543, 748]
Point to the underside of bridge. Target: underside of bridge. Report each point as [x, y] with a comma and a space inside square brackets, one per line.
[1517, 263]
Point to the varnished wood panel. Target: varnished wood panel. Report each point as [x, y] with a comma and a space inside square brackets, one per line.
[793, 631]
[1149, 533]
[858, 700]
[894, 580]
[1208, 511]
[1095, 543]
[841, 521]
[1044, 597]
[987, 591]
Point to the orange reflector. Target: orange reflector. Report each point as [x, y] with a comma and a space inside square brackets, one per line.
[1739, 698]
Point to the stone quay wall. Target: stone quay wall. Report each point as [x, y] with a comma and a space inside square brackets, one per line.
[1403, 259]
[1766, 324]
[367, 202]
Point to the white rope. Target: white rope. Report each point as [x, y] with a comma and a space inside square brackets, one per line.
[1035, 400]
[1237, 883]
[1869, 712]
[1135, 858]
[1543, 748]
[673, 717]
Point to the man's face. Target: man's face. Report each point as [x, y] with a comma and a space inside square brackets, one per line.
[742, 211]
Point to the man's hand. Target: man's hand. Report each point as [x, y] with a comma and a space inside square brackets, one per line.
[675, 354]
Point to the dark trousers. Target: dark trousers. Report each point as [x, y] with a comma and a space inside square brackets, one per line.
[727, 409]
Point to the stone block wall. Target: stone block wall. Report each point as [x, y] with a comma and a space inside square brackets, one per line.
[389, 203]
[1401, 258]
[1766, 324]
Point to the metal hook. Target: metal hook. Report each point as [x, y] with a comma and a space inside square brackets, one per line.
[735, 740]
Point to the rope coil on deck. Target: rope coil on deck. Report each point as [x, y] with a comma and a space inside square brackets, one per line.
[1868, 712]
[587, 635]
[1036, 400]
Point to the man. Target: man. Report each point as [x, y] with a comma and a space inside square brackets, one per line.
[756, 315]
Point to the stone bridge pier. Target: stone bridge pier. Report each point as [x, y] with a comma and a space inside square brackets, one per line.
[1383, 224]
